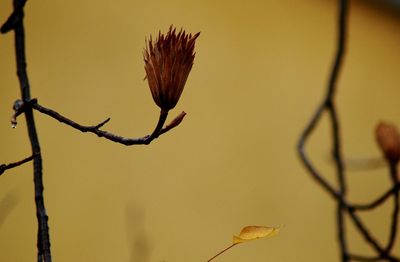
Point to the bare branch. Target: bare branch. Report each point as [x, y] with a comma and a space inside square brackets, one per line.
[364, 258]
[380, 200]
[4, 167]
[15, 22]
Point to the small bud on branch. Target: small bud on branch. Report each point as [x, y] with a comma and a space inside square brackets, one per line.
[388, 139]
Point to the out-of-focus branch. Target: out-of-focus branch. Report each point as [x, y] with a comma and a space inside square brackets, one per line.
[339, 195]
[395, 214]
[4, 167]
[377, 202]
[364, 258]
[328, 105]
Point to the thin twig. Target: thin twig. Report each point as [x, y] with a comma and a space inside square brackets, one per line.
[365, 232]
[363, 258]
[4, 167]
[375, 258]
[377, 202]
[107, 135]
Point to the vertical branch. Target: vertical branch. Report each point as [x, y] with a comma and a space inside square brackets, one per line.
[43, 241]
[330, 106]
[341, 208]
[395, 214]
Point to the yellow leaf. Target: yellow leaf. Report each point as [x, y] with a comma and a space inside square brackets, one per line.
[250, 233]
[254, 232]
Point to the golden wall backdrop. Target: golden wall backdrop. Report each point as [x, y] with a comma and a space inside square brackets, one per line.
[260, 71]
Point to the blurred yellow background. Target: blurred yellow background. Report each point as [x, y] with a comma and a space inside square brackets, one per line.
[261, 69]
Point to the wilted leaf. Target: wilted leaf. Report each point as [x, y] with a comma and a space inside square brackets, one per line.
[254, 232]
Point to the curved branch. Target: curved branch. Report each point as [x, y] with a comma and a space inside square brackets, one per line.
[380, 200]
[145, 140]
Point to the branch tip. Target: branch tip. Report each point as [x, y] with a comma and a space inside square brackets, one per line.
[4, 167]
[103, 123]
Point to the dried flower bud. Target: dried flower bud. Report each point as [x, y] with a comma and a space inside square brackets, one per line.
[388, 139]
[168, 61]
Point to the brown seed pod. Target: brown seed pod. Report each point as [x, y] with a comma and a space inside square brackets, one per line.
[388, 139]
[168, 61]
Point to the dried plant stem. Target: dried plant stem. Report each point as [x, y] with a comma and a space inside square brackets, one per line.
[224, 250]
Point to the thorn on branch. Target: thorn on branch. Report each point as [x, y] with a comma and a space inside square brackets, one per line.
[174, 123]
[102, 123]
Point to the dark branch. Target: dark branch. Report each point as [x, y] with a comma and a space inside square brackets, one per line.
[4, 167]
[380, 200]
[365, 232]
[328, 104]
[15, 17]
[159, 130]
[363, 258]
[306, 161]
[43, 237]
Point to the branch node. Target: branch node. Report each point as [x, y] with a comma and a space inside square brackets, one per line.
[16, 16]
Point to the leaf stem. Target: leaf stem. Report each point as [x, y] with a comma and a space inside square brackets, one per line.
[226, 249]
